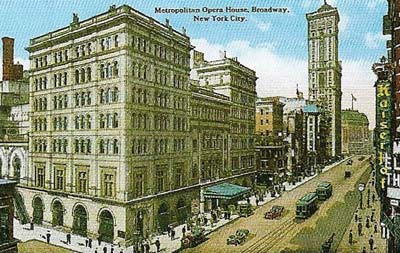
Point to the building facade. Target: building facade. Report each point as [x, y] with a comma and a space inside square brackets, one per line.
[325, 71]
[355, 134]
[14, 113]
[8, 244]
[272, 150]
[116, 127]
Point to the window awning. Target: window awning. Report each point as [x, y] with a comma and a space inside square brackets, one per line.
[225, 191]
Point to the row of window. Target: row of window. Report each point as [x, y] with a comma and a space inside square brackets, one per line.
[40, 83]
[160, 51]
[83, 121]
[82, 50]
[40, 124]
[60, 79]
[109, 120]
[83, 146]
[109, 95]
[40, 104]
[109, 70]
[60, 101]
[109, 146]
[60, 123]
[141, 146]
[82, 98]
[60, 145]
[209, 113]
[83, 75]
[107, 179]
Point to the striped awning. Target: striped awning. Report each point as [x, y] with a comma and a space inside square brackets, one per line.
[225, 191]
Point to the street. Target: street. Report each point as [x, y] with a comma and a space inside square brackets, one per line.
[292, 235]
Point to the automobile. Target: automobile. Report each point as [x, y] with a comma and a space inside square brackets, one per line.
[361, 158]
[245, 210]
[275, 212]
[347, 174]
[238, 238]
[349, 162]
[193, 237]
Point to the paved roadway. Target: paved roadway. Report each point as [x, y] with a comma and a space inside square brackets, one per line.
[276, 235]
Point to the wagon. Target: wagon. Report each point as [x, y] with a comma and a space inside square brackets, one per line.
[238, 238]
[193, 238]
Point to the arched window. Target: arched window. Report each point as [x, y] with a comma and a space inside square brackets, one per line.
[115, 146]
[115, 95]
[88, 122]
[88, 146]
[102, 97]
[76, 76]
[101, 147]
[82, 122]
[102, 71]
[89, 74]
[109, 120]
[115, 120]
[65, 78]
[102, 121]
[83, 75]
[109, 95]
[116, 41]
[116, 69]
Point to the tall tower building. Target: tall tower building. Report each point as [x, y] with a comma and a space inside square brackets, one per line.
[325, 72]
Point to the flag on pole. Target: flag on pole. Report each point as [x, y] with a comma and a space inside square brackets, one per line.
[353, 97]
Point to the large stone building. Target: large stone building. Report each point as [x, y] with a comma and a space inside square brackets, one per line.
[355, 134]
[325, 71]
[121, 143]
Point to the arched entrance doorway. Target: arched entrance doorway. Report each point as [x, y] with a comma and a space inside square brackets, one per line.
[79, 225]
[38, 210]
[58, 214]
[106, 227]
[17, 168]
[181, 211]
[163, 217]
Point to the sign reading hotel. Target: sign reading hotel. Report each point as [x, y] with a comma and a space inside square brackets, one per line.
[383, 134]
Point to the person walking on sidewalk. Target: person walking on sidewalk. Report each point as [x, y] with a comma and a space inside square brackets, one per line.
[367, 222]
[351, 237]
[372, 216]
[68, 238]
[158, 245]
[48, 235]
[183, 231]
[375, 228]
[359, 226]
[356, 217]
[371, 243]
[364, 250]
[172, 234]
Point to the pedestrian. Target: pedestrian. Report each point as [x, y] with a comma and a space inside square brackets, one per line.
[183, 231]
[105, 249]
[364, 250]
[90, 242]
[359, 229]
[99, 240]
[86, 242]
[257, 201]
[368, 204]
[112, 249]
[147, 247]
[373, 197]
[68, 238]
[142, 247]
[172, 234]
[32, 226]
[158, 245]
[351, 237]
[48, 235]
[367, 223]
[375, 228]
[372, 216]
[95, 251]
[248, 200]
[371, 243]
[356, 217]
[169, 230]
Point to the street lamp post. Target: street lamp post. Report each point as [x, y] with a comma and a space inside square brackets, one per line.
[361, 188]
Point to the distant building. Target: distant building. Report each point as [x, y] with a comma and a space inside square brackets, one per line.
[325, 72]
[8, 244]
[355, 134]
[271, 148]
[14, 116]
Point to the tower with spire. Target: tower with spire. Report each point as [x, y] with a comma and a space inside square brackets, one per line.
[325, 71]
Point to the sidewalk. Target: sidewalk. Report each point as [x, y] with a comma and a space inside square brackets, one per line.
[362, 241]
[58, 238]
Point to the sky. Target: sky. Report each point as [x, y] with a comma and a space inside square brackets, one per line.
[274, 45]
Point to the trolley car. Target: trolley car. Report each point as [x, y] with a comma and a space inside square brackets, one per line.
[307, 205]
[324, 190]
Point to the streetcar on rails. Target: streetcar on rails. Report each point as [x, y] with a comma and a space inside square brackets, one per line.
[307, 205]
[324, 190]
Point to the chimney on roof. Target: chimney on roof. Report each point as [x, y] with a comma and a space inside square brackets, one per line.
[8, 58]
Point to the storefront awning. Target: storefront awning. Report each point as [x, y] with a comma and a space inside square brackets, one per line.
[225, 191]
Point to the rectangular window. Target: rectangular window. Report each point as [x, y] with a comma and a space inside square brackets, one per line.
[160, 174]
[59, 179]
[82, 181]
[40, 176]
[108, 185]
